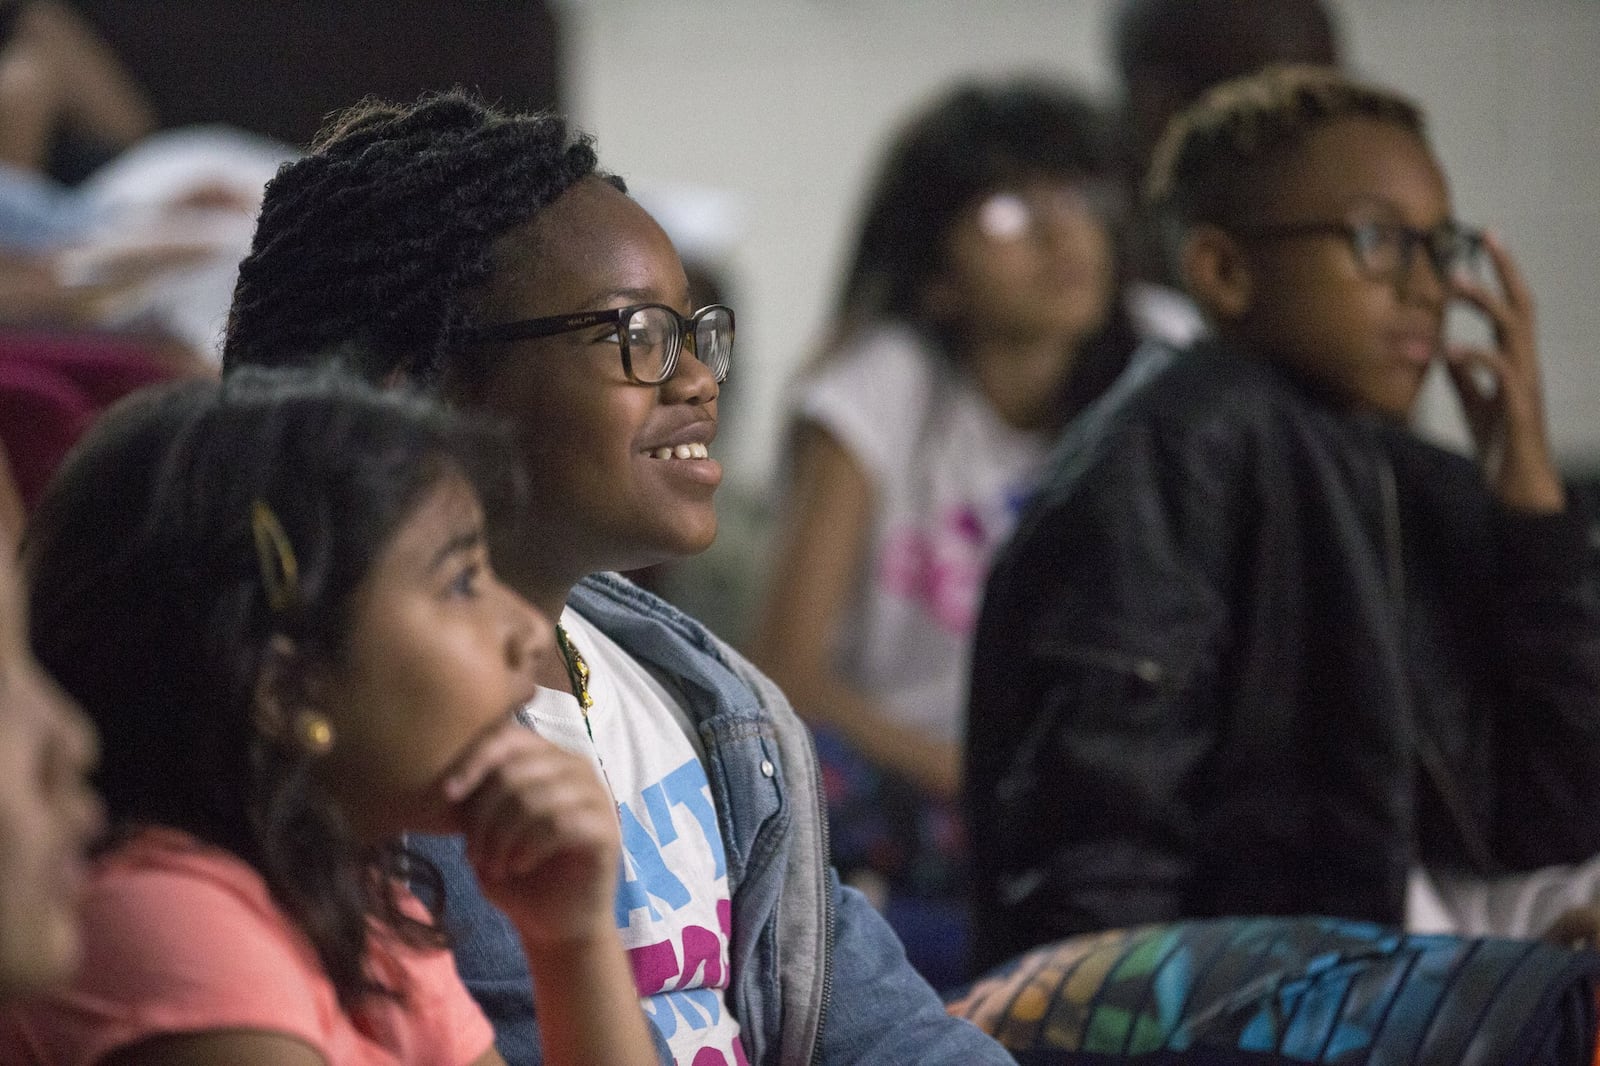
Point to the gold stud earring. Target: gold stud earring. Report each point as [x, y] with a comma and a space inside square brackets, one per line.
[313, 733]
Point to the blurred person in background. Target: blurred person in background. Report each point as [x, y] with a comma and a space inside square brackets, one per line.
[979, 312]
[1167, 53]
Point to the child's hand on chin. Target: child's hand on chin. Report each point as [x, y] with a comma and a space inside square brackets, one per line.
[541, 831]
[1506, 414]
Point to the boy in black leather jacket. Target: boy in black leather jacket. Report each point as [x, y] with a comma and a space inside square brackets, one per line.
[1256, 648]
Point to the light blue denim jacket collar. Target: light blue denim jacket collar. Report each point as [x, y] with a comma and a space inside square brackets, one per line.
[797, 934]
[761, 765]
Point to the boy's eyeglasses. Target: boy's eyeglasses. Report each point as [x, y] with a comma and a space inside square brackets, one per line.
[1383, 250]
[649, 337]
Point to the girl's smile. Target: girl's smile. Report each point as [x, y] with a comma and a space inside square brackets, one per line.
[621, 474]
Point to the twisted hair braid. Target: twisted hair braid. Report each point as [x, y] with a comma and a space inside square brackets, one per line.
[379, 239]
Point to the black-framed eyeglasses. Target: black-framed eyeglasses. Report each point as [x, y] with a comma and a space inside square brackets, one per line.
[649, 336]
[1383, 250]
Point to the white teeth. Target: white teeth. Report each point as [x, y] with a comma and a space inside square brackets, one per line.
[681, 451]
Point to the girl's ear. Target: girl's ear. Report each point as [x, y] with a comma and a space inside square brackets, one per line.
[288, 700]
[275, 699]
[1216, 272]
[286, 693]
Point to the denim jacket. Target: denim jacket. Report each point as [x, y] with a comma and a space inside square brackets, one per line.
[818, 977]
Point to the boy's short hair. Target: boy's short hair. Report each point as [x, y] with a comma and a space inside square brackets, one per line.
[1218, 159]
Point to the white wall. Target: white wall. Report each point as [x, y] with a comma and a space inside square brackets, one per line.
[781, 105]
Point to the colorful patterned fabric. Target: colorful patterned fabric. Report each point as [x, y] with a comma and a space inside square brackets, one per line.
[885, 827]
[1290, 990]
[883, 823]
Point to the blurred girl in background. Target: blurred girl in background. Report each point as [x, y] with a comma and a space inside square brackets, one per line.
[979, 313]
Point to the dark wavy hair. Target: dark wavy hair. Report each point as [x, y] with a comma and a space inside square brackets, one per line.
[382, 236]
[970, 141]
[149, 607]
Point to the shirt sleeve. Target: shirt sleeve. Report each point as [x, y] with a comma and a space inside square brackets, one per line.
[1547, 740]
[446, 1027]
[870, 398]
[168, 951]
[881, 1009]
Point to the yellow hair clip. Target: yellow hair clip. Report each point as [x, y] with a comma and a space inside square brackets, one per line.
[280, 574]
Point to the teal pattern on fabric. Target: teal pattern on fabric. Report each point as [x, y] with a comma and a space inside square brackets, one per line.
[1289, 990]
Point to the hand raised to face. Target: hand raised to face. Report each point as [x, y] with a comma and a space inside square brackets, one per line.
[1501, 392]
[541, 831]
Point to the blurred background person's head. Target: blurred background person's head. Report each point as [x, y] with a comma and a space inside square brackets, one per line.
[1167, 53]
[992, 224]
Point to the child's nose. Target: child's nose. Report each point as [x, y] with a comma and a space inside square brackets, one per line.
[691, 381]
[530, 636]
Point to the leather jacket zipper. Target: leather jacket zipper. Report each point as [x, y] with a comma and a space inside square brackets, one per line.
[1147, 670]
[1427, 752]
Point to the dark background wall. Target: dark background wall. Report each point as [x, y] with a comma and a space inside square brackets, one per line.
[278, 67]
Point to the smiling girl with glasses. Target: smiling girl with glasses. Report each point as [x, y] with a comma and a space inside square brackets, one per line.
[419, 231]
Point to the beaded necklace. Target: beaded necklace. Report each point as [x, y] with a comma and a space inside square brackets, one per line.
[578, 674]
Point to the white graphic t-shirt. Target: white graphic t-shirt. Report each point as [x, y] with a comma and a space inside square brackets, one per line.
[949, 479]
[672, 903]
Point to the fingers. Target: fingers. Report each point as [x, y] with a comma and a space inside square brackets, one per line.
[534, 808]
[1469, 366]
[1478, 375]
[1517, 294]
[1514, 364]
[499, 742]
[1577, 928]
[522, 799]
[1480, 399]
[1509, 310]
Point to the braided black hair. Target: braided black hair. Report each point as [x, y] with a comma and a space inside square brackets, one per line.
[380, 237]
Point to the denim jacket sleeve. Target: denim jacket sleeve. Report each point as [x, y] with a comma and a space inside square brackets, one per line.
[881, 1010]
[873, 1005]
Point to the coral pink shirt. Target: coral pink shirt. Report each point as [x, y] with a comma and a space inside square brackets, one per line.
[183, 937]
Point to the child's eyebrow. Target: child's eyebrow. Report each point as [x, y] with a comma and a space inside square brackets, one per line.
[1374, 203]
[632, 296]
[461, 542]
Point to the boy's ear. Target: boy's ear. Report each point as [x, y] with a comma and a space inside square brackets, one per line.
[1216, 272]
